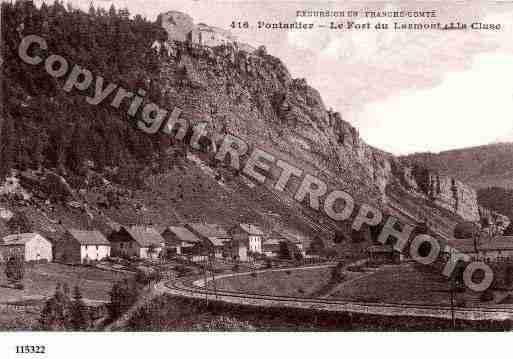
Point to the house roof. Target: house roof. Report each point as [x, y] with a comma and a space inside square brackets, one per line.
[251, 229]
[218, 242]
[89, 237]
[207, 230]
[291, 236]
[184, 234]
[145, 236]
[271, 241]
[18, 239]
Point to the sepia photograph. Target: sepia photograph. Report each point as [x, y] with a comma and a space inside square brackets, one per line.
[256, 167]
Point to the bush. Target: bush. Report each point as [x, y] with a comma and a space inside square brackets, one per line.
[337, 273]
[15, 269]
[19, 223]
[122, 296]
[486, 296]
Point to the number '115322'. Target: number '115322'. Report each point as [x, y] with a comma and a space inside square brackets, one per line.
[30, 349]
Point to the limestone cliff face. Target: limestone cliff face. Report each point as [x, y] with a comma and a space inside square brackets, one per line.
[454, 196]
[448, 193]
[253, 96]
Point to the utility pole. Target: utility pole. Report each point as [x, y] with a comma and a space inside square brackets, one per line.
[206, 283]
[453, 317]
[212, 269]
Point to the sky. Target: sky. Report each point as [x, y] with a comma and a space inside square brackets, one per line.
[404, 91]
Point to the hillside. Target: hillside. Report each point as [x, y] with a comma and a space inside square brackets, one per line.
[481, 167]
[111, 173]
[500, 200]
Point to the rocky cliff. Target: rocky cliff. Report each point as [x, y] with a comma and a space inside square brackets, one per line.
[253, 96]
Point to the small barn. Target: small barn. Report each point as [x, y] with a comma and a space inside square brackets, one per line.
[179, 241]
[212, 236]
[136, 241]
[78, 246]
[296, 239]
[34, 247]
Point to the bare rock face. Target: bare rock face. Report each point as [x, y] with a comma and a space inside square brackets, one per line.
[494, 222]
[253, 96]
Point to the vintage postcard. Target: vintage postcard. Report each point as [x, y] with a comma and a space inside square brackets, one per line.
[255, 166]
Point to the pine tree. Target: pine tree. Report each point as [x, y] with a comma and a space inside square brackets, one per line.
[122, 296]
[79, 311]
[92, 11]
[56, 314]
[7, 147]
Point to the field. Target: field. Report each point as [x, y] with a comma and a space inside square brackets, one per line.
[299, 283]
[396, 284]
[401, 284]
[40, 282]
[41, 279]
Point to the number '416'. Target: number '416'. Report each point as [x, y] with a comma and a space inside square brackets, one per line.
[239, 25]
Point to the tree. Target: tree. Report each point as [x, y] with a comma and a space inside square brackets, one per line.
[56, 315]
[337, 273]
[15, 269]
[7, 147]
[122, 296]
[79, 311]
[19, 223]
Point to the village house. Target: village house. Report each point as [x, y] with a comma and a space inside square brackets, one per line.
[488, 248]
[78, 246]
[179, 241]
[296, 239]
[213, 239]
[320, 245]
[383, 254]
[136, 241]
[285, 244]
[271, 247]
[237, 250]
[34, 247]
[248, 234]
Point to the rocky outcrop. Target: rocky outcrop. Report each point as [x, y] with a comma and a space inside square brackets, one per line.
[253, 96]
[494, 222]
[177, 25]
